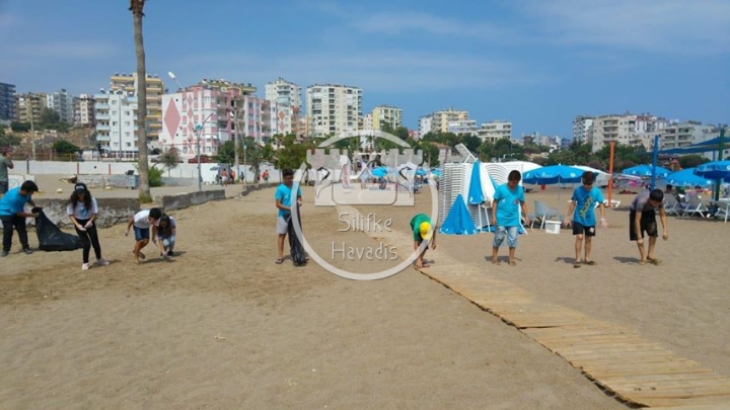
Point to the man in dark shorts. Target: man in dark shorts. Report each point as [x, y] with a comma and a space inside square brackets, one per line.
[581, 214]
[642, 218]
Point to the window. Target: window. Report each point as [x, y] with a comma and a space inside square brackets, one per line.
[126, 133]
[127, 123]
[129, 145]
[126, 113]
[114, 112]
[114, 123]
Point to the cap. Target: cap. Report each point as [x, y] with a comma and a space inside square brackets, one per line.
[80, 188]
[424, 227]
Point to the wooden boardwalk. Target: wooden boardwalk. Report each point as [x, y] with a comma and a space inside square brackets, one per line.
[616, 358]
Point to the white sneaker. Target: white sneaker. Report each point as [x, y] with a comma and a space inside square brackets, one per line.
[101, 262]
[85, 266]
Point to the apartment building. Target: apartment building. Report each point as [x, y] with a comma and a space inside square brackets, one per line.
[582, 128]
[155, 88]
[216, 111]
[288, 99]
[627, 129]
[386, 114]
[7, 102]
[333, 109]
[116, 122]
[84, 110]
[425, 125]
[495, 130]
[63, 103]
[367, 122]
[28, 107]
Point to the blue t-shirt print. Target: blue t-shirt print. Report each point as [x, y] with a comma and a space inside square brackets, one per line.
[585, 204]
[283, 194]
[509, 203]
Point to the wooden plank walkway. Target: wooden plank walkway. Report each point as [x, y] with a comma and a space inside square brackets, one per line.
[614, 357]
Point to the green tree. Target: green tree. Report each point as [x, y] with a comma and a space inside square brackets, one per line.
[402, 133]
[692, 160]
[63, 147]
[472, 143]
[170, 159]
[226, 153]
[50, 118]
[17, 126]
[430, 153]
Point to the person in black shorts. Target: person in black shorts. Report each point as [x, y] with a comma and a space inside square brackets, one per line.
[642, 218]
[581, 213]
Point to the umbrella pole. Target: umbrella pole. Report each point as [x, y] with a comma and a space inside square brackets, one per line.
[610, 171]
[654, 161]
[718, 183]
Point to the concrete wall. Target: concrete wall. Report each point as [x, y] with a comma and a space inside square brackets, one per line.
[111, 211]
[181, 201]
[255, 187]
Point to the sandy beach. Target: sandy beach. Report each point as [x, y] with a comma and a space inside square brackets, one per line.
[222, 326]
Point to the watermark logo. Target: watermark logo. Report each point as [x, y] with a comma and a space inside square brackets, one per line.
[393, 184]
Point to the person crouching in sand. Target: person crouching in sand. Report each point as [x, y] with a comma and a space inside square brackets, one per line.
[141, 222]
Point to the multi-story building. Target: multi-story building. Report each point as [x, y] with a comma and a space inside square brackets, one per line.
[627, 129]
[84, 110]
[288, 99]
[462, 127]
[385, 114]
[333, 109]
[425, 125]
[367, 122]
[28, 107]
[63, 103]
[155, 88]
[582, 128]
[7, 102]
[680, 135]
[116, 122]
[442, 119]
[215, 111]
[495, 130]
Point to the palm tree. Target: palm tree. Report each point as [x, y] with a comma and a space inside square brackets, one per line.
[137, 9]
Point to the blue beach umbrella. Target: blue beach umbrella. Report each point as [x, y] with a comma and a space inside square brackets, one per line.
[553, 174]
[714, 170]
[644, 171]
[687, 178]
[420, 172]
[436, 172]
[459, 221]
[380, 172]
[476, 194]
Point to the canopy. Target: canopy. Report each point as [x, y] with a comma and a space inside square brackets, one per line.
[459, 221]
[687, 178]
[704, 146]
[553, 174]
[714, 170]
[601, 176]
[646, 171]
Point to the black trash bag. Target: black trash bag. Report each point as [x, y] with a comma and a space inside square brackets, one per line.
[52, 239]
[298, 257]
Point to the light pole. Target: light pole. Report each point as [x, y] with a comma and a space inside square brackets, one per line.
[199, 128]
[172, 75]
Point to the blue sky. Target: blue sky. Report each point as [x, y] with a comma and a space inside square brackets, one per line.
[537, 63]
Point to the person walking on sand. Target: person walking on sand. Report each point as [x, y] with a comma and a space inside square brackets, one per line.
[6, 163]
[509, 199]
[141, 222]
[420, 226]
[83, 210]
[12, 215]
[581, 214]
[642, 218]
[283, 197]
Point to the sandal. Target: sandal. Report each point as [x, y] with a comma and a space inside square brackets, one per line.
[590, 263]
[654, 261]
[642, 262]
[576, 265]
[280, 261]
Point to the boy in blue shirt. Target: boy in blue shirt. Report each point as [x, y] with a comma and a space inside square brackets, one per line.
[12, 214]
[509, 198]
[582, 214]
[283, 204]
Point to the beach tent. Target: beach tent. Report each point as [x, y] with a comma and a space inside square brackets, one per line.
[458, 221]
[602, 178]
[500, 170]
[522, 166]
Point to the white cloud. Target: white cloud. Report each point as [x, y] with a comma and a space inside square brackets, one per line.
[79, 50]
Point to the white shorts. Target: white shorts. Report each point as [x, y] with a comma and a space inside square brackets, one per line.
[282, 227]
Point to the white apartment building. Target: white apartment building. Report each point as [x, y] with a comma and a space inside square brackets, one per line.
[680, 135]
[495, 130]
[367, 122]
[462, 127]
[425, 125]
[84, 110]
[627, 129]
[333, 109]
[116, 122]
[288, 99]
[155, 88]
[385, 114]
[582, 128]
[63, 103]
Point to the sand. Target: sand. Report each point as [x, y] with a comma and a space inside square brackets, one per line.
[222, 326]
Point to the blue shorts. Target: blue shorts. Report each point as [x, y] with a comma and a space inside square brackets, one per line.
[510, 232]
[140, 234]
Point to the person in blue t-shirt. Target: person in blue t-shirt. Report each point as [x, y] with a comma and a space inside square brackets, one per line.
[12, 214]
[583, 217]
[284, 203]
[509, 199]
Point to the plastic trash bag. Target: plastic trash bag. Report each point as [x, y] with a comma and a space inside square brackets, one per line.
[52, 239]
[298, 256]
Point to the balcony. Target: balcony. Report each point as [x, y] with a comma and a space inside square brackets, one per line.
[100, 127]
[99, 106]
[100, 116]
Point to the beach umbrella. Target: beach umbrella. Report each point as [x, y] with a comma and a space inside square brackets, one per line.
[645, 171]
[380, 172]
[476, 192]
[553, 174]
[687, 178]
[421, 172]
[459, 221]
[436, 172]
[714, 170]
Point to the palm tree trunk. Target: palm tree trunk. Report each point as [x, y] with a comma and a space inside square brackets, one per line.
[137, 8]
